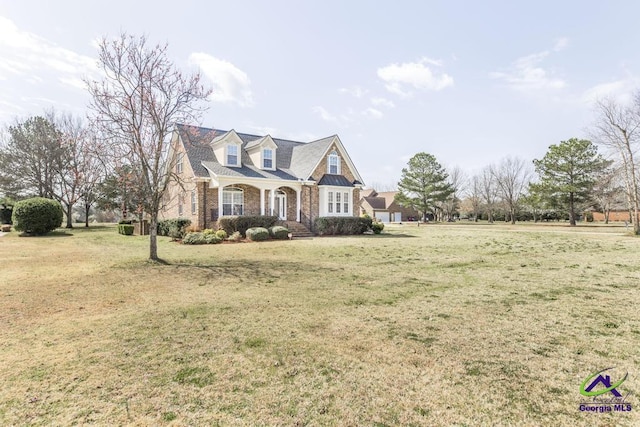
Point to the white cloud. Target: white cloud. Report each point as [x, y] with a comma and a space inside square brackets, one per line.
[25, 53]
[402, 78]
[356, 91]
[324, 114]
[230, 84]
[382, 102]
[526, 73]
[372, 113]
[621, 90]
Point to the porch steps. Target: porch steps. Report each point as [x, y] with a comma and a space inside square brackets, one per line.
[297, 229]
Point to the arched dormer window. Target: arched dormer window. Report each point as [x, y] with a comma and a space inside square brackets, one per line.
[333, 163]
[232, 201]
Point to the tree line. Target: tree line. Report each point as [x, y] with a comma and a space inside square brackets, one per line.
[572, 177]
[119, 155]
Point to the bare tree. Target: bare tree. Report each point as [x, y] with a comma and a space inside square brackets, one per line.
[511, 176]
[608, 192]
[136, 105]
[93, 158]
[489, 189]
[474, 195]
[617, 127]
[70, 165]
[457, 180]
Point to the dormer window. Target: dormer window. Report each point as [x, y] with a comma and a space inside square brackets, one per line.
[333, 164]
[232, 155]
[267, 158]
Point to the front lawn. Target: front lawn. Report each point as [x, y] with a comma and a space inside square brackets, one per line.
[435, 325]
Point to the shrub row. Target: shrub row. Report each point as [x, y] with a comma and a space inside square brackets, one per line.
[37, 215]
[173, 227]
[342, 225]
[231, 224]
[201, 238]
[126, 229]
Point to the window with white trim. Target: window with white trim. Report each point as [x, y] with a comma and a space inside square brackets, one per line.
[232, 201]
[193, 202]
[180, 204]
[232, 155]
[333, 163]
[179, 158]
[336, 201]
[267, 158]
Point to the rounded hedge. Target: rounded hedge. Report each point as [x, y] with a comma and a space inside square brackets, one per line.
[257, 234]
[37, 215]
[279, 232]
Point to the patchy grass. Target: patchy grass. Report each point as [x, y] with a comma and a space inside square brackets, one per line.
[456, 324]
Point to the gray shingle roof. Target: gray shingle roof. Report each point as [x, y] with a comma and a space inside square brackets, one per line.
[294, 160]
[376, 202]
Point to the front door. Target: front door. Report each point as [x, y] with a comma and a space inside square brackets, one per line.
[281, 205]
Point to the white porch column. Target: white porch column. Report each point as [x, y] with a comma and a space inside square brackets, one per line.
[261, 201]
[298, 203]
[220, 210]
[272, 201]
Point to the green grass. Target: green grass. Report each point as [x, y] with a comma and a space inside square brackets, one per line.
[446, 324]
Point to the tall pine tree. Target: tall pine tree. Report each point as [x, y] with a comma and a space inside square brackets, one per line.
[423, 184]
[568, 173]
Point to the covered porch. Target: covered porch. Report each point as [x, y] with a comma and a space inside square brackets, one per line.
[235, 197]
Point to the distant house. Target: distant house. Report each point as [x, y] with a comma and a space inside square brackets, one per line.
[383, 207]
[228, 173]
[614, 215]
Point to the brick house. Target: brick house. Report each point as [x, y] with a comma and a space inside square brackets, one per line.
[225, 173]
[383, 207]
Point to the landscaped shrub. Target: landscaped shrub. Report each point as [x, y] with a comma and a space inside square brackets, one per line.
[377, 227]
[200, 238]
[235, 237]
[208, 231]
[212, 239]
[329, 225]
[193, 239]
[279, 232]
[173, 227]
[231, 224]
[126, 229]
[221, 234]
[37, 215]
[257, 234]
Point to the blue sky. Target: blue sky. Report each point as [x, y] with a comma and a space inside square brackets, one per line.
[469, 82]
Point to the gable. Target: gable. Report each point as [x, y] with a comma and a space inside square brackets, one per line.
[347, 168]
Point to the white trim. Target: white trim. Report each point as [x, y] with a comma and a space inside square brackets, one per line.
[238, 155]
[334, 155]
[281, 202]
[337, 196]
